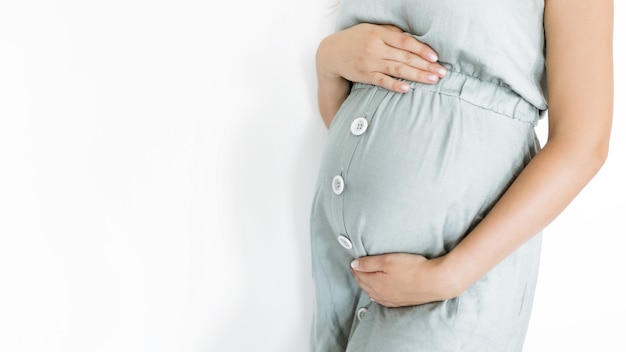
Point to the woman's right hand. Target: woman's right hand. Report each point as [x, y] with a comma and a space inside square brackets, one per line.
[379, 55]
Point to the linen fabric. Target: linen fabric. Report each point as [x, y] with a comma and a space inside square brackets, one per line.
[415, 172]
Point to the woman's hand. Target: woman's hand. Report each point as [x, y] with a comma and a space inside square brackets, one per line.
[374, 54]
[402, 279]
[378, 54]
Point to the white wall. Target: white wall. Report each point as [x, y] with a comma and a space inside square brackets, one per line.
[157, 161]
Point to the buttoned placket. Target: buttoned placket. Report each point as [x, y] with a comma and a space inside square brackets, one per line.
[340, 185]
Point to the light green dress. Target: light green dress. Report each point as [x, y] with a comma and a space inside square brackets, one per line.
[416, 172]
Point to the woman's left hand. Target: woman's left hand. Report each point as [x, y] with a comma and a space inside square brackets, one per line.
[402, 279]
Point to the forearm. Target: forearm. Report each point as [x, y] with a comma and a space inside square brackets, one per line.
[580, 115]
[578, 35]
[331, 92]
[550, 181]
[332, 88]
[540, 193]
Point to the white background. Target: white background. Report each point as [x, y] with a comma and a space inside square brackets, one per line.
[157, 162]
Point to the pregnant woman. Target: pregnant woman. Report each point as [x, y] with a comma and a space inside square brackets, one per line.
[433, 190]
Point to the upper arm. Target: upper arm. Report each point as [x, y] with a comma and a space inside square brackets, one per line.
[579, 66]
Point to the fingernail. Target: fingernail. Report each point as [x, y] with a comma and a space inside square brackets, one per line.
[354, 264]
[441, 71]
[404, 87]
[433, 57]
[432, 78]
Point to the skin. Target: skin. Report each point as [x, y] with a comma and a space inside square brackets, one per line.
[369, 53]
[579, 33]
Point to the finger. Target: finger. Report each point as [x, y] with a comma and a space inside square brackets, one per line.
[388, 82]
[367, 282]
[370, 264]
[358, 277]
[375, 295]
[388, 304]
[400, 70]
[414, 61]
[409, 43]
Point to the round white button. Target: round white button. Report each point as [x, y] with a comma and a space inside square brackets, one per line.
[358, 126]
[344, 242]
[361, 313]
[338, 184]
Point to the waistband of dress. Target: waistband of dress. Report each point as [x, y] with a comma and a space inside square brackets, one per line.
[491, 96]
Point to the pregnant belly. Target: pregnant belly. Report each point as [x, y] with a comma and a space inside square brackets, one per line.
[418, 170]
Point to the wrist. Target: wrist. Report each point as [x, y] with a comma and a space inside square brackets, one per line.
[332, 88]
[458, 274]
[324, 61]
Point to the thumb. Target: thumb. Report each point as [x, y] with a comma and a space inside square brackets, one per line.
[369, 264]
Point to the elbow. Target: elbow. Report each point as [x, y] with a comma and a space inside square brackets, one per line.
[595, 150]
[589, 153]
[584, 150]
[593, 156]
[598, 153]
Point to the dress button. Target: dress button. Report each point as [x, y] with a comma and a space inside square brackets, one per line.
[338, 184]
[358, 126]
[361, 313]
[344, 242]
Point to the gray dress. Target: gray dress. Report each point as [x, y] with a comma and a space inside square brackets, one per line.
[416, 172]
